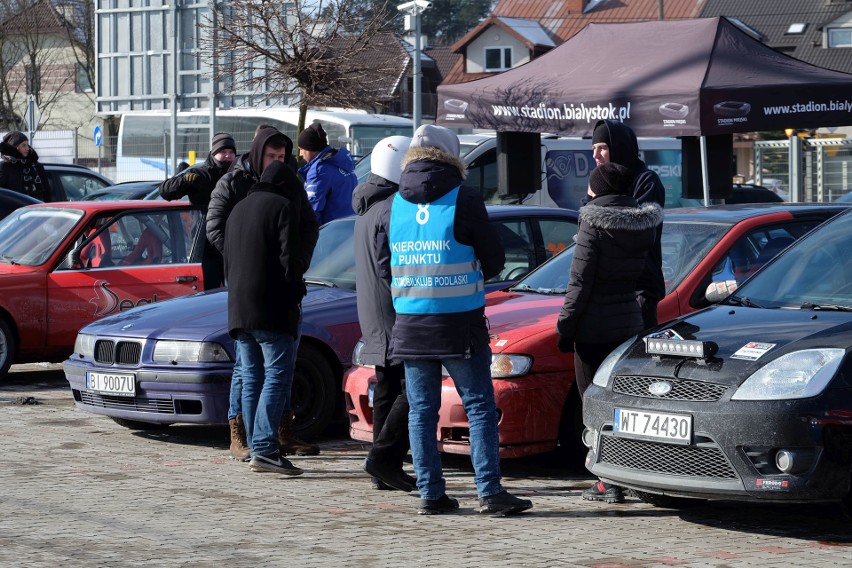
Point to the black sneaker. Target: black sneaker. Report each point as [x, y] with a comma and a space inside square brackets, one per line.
[396, 478]
[605, 492]
[274, 463]
[503, 503]
[437, 506]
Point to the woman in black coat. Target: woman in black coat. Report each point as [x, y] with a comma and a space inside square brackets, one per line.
[614, 239]
[20, 169]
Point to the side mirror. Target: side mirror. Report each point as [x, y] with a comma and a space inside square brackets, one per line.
[718, 291]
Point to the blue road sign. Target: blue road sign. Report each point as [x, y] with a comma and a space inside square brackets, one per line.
[98, 136]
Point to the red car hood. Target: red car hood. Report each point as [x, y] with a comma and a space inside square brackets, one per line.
[517, 316]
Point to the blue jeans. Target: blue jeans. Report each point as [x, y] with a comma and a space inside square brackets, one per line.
[472, 378]
[267, 375]
[235, 404]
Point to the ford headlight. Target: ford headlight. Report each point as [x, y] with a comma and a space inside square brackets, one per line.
[84, 345]
[505, 366]
[801, 374]
[603, 373]
[189, 352]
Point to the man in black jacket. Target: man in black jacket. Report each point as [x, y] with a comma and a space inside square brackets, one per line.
[376, 317]
[439, 251]
[268, 145]
[198, 183]
[265, 263]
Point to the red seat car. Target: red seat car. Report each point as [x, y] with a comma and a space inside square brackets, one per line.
[538, 405]
[64, 265]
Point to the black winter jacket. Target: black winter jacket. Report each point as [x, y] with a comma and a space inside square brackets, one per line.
[613, 241]
[264, 255]
[427, 175]
[25, 175]
[197, 183]
[233, 188]
[647, 188]
[375, 305]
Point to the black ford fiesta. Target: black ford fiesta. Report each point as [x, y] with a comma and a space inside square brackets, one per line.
[750, 399]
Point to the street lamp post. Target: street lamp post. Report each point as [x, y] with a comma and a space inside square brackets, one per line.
[413, 9]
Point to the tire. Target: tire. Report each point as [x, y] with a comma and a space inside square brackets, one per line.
[8, 347]
[313, 394]
[665, 501]
[137, 425]
[571, 452]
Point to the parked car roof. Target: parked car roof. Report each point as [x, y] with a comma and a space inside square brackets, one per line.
[11, 200]
[124, 190]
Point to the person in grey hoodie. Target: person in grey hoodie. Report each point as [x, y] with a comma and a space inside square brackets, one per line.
[376, 317]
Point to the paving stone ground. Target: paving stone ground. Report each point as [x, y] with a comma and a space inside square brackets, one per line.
[80, 490]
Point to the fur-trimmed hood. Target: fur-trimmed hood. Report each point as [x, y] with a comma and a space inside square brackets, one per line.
[434, 154]
[619, 218]
[428, 174]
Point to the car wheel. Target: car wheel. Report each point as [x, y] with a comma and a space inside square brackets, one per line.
[571, 452]
[665, 501]
[314, 387]
[7, 347]
[137, 425]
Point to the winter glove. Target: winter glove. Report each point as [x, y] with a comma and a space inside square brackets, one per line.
[565, 344]
[192, 178]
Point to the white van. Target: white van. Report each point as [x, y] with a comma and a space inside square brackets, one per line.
[565, 166]
[144, 145]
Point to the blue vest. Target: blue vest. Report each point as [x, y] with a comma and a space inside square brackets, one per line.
[432, 273]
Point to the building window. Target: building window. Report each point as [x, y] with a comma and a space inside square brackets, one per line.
[796, 29]
[840, 37]
[498, 58]
[83, 83]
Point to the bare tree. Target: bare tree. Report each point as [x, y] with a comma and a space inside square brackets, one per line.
[42, 48]
[325, 51]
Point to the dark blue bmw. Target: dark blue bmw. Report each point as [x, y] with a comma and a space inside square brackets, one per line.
[171, 362]
[747, 400]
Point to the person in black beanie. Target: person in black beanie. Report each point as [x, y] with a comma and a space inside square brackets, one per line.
[20, 169]
[198, 183]
[329, 174]
[614, 239]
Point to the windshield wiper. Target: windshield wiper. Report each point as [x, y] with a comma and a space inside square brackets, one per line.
[326, 283]
[831, 307]
[743, 301]
[529, 289]
[9, 260]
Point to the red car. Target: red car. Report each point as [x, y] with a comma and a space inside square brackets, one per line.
[64, 265]
[537, 402]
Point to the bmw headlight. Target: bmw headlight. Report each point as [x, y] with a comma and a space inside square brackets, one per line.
[189, 352]
[505, 366]
[603, 373]
[801, 374]
[356, 355]
[84, 345]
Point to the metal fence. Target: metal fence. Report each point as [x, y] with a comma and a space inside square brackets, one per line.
[826, 166]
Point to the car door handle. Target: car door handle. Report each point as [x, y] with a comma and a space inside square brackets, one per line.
[186, 278]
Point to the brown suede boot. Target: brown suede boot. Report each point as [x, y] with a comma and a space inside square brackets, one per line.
[290, 444]
[239, 447]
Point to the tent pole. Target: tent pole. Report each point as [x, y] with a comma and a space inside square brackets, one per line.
[705, 176]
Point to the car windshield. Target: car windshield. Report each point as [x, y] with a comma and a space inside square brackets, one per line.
[30, 235]
[333, 263]
[684, 245]
[815, 273]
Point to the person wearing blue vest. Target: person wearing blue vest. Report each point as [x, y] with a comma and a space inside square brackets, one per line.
[439, 250]
[329, 175]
